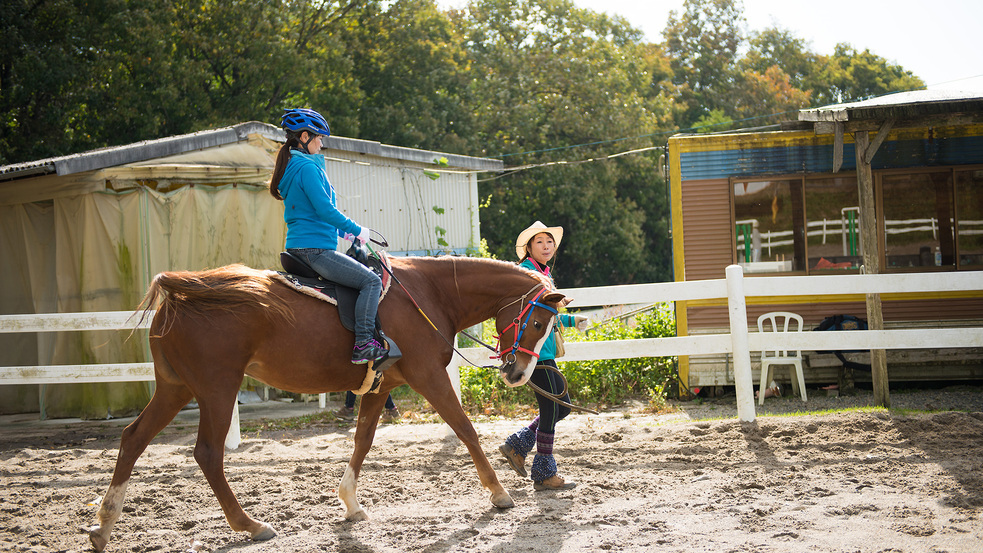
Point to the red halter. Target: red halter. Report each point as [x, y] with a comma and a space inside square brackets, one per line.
[520, 328]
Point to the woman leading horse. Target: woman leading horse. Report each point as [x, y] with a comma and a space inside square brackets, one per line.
[213, 327]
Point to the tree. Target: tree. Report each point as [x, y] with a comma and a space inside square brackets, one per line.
[777, 47]
[849, 75]
[549, 82]
[703, 44]
[51, 59]
[80, 75]
[411, 69]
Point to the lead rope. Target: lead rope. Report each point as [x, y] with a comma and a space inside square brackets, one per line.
[553, 397]
[556, 397]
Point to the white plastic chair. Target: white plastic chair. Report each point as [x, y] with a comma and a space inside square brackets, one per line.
[780, 321]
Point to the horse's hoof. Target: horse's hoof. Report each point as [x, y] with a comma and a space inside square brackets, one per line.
[98, 541]
[503, 500]
[357, 516]
[265, 532]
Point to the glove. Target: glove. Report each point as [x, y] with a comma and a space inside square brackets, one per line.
[363, 236]
[580, 322]
[348, 236]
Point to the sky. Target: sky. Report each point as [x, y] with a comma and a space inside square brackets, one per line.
[937, 40]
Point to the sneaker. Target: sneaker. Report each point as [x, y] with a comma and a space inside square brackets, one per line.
[346, 413]
[390, 415]
[516, 462]
[553, 483]
[369, 351]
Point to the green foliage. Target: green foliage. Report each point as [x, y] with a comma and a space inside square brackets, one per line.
[703, 43]
[541, 84]
[767, 75]
[849, 75]
[606, 381]
[714, 121]
[548, 76]
[411, 66]
[613, 380]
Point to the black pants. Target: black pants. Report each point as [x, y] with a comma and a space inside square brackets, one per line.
[550, 412]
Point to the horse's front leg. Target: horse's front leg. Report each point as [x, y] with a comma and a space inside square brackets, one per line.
[442, 397]
[216, 416]
[368, 419]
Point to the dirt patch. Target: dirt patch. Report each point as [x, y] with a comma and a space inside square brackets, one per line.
[861, 481]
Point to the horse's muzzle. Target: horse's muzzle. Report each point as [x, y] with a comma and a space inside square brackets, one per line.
[513, 374]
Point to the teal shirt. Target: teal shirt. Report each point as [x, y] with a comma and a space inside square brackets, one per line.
[549, 348]
[309, 208]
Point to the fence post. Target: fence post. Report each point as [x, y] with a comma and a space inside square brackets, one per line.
[737, 308]
[454, 371]
[234, 438]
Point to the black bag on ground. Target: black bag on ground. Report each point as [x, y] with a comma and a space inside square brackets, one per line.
[844, 322]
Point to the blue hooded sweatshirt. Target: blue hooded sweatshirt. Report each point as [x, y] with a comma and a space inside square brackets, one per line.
[309, 208]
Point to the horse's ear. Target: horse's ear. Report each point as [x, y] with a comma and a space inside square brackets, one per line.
[557, 298]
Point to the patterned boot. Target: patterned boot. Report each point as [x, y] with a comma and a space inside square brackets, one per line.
[544, 475]
[518, 445]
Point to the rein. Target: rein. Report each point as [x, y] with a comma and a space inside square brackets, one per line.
[437, 330]
[520, 328]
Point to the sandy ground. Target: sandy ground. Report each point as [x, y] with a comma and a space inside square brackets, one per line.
[693, 480]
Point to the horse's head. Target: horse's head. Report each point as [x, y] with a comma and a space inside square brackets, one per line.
[523, 327]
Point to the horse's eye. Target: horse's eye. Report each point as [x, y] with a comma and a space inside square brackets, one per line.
[537, 324]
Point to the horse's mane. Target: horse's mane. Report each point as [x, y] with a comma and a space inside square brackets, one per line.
[483, 262]
[225, 289]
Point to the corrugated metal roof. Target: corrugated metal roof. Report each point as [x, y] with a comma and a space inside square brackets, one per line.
[150, 149]
[901, 105]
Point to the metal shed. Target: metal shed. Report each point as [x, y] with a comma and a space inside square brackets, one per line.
[87, 232]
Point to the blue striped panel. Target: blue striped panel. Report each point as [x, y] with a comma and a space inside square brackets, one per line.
[813, 158]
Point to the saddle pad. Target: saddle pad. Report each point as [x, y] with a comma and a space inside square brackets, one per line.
[332, 292]
[325, 290]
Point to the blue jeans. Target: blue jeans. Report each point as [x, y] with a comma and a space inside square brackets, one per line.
[350, 401]
[338, 267]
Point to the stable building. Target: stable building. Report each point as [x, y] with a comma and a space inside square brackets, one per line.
[87, 233]
[786, 201]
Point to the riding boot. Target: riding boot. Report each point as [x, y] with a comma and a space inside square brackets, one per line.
[518, 445]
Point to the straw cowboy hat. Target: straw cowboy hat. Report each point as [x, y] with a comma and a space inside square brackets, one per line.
[534, 229]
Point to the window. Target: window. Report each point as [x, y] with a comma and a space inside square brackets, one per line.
[833, 214]
[969, 218]
[768, 219]
[931, 219]
[918, 220]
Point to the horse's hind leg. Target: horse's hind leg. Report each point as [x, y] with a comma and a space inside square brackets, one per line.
[216, 416]
[168, 399]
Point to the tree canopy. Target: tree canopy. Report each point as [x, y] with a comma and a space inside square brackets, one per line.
[575, 102]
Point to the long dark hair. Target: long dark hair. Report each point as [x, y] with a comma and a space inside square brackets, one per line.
[282, 158]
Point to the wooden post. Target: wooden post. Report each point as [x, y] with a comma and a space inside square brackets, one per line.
[871, 256]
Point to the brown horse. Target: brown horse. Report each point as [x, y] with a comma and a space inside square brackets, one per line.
[213, 327]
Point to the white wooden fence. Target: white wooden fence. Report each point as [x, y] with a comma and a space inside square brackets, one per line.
[739, 342]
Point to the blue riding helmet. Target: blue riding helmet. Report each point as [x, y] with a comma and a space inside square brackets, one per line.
[303, 119]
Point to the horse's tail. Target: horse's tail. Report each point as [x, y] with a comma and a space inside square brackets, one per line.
[224, 289]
